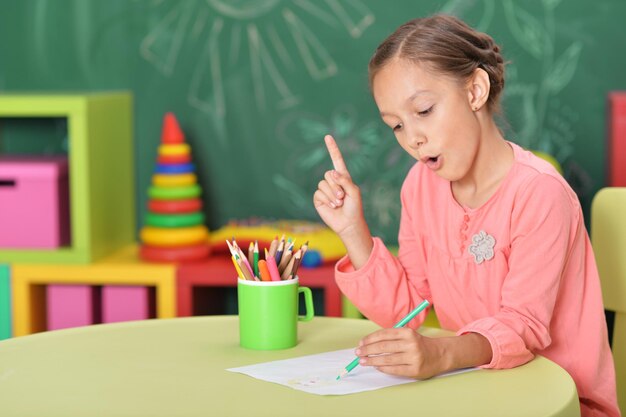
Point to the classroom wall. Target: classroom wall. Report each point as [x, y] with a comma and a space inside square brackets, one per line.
[256, 87]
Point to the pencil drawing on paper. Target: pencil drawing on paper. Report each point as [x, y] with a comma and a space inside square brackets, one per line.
[312, 381]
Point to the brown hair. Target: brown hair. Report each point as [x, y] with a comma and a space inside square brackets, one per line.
[446, 44]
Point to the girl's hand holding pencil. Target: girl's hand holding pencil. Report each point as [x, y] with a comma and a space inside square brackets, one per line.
[404, 352]
[280, 262]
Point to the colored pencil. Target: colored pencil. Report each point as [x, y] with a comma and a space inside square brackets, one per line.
[284, 261]
[279, 251]
[273, 246]
[399, 324]
[236, 252]
[271, 265]
[264, 272]
[296, 264]
[256, 259]
[246, 271]
[239, 272]
[286, 274]
[251, 253]
[230, 247]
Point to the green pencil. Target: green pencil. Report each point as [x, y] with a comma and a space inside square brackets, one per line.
[399, 324]
[255, 258]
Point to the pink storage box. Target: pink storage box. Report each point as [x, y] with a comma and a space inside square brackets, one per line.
[72, 306]
[125, 303]
[34, 202]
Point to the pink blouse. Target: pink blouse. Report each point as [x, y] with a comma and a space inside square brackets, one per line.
[518, 270]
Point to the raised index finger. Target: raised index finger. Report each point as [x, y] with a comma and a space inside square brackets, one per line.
[335, 155]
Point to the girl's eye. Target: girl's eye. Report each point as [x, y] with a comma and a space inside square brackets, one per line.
[426, 112]
[397, 127]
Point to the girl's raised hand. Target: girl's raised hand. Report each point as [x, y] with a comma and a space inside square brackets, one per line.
[338, 199]
[338, 202]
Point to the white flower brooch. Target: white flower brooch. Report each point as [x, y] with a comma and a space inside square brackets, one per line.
[482, 247]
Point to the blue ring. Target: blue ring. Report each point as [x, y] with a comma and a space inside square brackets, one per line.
[175, 168]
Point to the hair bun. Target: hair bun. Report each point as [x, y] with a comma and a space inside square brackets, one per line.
[449, 45]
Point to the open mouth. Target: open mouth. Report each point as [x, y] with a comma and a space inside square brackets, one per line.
[432, 162]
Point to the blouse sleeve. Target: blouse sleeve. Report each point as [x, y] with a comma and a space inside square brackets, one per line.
[386, 288]
[544, 226]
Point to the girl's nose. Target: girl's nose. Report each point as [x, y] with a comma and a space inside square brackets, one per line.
[416, 140]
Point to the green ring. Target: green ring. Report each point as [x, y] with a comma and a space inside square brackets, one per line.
[174, 193]
[175, 220]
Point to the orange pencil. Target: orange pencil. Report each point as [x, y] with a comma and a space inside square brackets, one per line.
[264, 272]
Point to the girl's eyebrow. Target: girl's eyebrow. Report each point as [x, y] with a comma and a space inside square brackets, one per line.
[417, 93]
[411, 98]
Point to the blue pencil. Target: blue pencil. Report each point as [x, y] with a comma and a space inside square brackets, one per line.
[279, 252]
[399, 324]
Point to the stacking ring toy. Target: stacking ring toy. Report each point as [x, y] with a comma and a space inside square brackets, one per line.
[175, 254]
[173, 159]
[174, 193]
[156, 236]
[175, 168]
[174, 220]
[175, 206]
[175, 180]
[174, 149]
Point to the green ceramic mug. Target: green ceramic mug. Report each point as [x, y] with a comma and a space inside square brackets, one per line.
[268, 313]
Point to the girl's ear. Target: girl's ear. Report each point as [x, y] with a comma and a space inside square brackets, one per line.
[478, 89]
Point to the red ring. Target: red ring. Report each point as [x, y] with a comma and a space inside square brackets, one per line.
[175, 206]
[173, 159]
[175, 254]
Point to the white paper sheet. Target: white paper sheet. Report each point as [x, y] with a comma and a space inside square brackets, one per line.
[316, 374]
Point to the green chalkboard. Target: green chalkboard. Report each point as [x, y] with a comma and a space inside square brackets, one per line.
[257, 83]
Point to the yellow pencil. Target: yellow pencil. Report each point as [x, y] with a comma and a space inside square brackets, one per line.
[239, 273]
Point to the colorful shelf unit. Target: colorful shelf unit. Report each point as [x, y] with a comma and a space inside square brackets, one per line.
[101, 172]
[123, 268]
[5, 302]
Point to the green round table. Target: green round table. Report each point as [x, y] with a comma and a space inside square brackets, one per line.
[177, 367]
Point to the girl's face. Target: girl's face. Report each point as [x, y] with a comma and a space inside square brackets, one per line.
[430, 115]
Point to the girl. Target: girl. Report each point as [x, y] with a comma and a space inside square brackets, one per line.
[490, 234]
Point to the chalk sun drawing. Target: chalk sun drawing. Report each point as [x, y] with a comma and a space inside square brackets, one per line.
[270, 37]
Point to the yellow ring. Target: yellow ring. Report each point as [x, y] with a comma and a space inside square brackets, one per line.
[175, 149]
[157, 236]
[175, 180]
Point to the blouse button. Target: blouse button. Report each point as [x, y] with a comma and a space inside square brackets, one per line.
[466, 218]
[465, 227]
